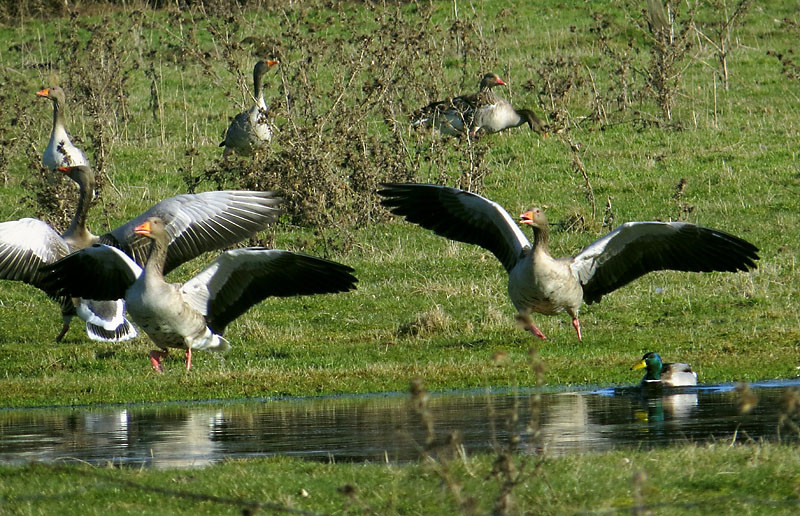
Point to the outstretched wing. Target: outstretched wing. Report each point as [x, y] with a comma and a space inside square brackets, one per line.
[240, 278]
[98, 272]
[458, 215]
[198, 223]
[636, 248]
[25, 246]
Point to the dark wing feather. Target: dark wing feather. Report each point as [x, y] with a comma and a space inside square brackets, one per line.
[25, 246]
[98, 272]
[636, 248]
[198, 223]
[240, 278]
[458, 215]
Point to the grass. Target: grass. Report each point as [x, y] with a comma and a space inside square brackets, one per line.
[425, 307]
[733, 150]
[715, 479]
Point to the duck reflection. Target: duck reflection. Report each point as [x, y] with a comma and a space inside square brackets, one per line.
[380, 428]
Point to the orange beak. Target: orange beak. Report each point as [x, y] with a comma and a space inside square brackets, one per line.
[272, 62]
[526, 218]
[143, 228]
[500, 82]
[44, 93]
[63, 169]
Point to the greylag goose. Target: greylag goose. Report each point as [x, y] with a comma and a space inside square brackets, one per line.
[483, 110]
[193, 315]
[659, 373]
[537, 282]
[27, 244]
[250, 130]
[60, 151]
[196, 223]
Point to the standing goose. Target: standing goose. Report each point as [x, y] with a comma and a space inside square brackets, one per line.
[482, 110]
[196, 223]
[193, 315]
[250, 130]
[537, 282]
[60, 151]
[658, 373]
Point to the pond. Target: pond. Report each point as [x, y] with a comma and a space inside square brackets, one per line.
[388, 427]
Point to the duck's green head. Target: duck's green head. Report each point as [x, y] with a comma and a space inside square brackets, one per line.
[652, 362]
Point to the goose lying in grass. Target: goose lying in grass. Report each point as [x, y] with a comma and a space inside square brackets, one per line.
[60, 151]
[537, 282]
[658, 373]
[250, 130]
[193, 315]
[196, 223]
[483, 110]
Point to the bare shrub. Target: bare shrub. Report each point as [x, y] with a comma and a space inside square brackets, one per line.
[343, 129]
[719, 30]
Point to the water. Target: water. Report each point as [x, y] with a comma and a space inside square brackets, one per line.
[386, 427]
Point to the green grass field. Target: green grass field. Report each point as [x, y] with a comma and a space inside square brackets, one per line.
[151, 91]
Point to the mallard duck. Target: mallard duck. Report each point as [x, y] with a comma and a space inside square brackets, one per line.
[673, 374]
[193, 315]
[483, 110]
[537, 282]
[60, 151]
[250, 130]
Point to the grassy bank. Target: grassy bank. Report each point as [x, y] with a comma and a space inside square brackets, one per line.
[150, 93]
[717, 479]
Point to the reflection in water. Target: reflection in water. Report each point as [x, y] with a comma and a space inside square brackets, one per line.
[379, 428]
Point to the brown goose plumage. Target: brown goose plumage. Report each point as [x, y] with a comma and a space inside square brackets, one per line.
[193, 315]
[60, 151]
[484, 110]
[196, 223]
[537, 282]
[250, 130]
[28, 244]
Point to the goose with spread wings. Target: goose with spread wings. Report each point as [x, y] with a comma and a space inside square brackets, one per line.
[193, 315]
[538, 282]
[196, 223]
[27, 244]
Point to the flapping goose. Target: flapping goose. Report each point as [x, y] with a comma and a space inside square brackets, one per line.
[196, 223]
[658, 373]
[60, 152]
[537, 282]
[483, 110]
[27, 244]
[193, 315]
[250, 130]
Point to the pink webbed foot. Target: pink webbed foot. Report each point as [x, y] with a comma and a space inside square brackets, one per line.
[577, 326]
[188, 358]
[156, 357]
[528, 325]
[536, 331]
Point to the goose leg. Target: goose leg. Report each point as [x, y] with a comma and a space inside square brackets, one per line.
[64, 330]
[188, 358]
[528, 325]
[577, 324]
[156, 356]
